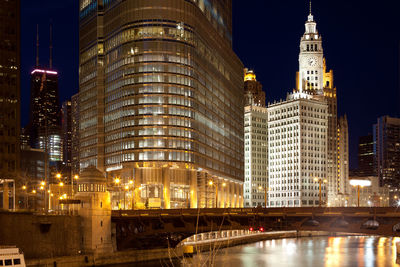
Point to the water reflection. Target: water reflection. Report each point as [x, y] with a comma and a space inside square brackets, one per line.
[354, 251]
[351, 251]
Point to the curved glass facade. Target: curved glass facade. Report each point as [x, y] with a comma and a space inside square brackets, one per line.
[161, 100]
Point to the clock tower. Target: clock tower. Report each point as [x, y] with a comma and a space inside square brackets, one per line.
[311, 59]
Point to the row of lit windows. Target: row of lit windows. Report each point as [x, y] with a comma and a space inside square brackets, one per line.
[150, 31]
[152, 68]
[150, 57]
[151, 155]
[150, 89]
[151, 78]
[91, 188]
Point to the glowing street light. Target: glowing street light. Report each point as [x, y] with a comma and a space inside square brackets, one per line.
[42, 183]
[359, 183]
[24, 187]
[117, 181]
[58, 175]
[61, 184]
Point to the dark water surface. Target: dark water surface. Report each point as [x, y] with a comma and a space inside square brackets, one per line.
[351, 251]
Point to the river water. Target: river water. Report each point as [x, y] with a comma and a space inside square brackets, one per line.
[354, 251]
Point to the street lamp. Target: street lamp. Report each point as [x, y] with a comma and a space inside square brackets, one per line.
[117, 181]
[126, 187]
[320, 180]
[359, 183]
[58, 175]
[265, 194]
[76, 177]
[25, 197]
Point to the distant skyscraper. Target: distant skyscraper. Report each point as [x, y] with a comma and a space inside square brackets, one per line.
[66, 130]
[253, 92]
[161, 100]
[44, 121]
[75, 134]
[343, 189]
[255, 155]
[366, 157]
[297, 134]
[387, 150]
[9, 88]
[44, 126]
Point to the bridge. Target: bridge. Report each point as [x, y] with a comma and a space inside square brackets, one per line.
[143, 229]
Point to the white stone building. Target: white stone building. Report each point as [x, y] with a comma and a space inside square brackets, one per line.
[255, 155]
[297, 139]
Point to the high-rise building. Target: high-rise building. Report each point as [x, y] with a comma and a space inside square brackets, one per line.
[314, 78]
[387, 151]
[253, 92]
[9, 88]
[44, 126]
[343, 190]
[366, 157]
[75, 134]
[161, 100]
[66, 133]
[297, 134]
[255, 156]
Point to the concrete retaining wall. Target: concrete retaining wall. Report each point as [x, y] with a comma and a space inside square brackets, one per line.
[41, 236]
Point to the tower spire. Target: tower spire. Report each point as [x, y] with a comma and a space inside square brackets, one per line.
[37, 45]
[51, 47]
[310, 16]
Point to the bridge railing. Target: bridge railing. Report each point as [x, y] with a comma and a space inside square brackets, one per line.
[255, 211]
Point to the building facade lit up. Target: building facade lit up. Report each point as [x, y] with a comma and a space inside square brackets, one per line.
[161, 101]
[297, 134]
[386, 134]
[255, 142]
[343, 190]
[314, 78]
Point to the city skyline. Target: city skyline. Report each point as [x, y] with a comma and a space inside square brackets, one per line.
[168, 131]
[349, 44]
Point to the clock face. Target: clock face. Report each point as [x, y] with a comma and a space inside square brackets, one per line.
[312, 61]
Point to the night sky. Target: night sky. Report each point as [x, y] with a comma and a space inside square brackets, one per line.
[361, 41]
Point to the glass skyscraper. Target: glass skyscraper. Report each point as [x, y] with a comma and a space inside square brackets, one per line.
[161, 100]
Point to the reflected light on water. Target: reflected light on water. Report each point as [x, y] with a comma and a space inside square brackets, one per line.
[291, 247]
[381, 254]
[333, 256]
[395, 240]
[369, 251]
